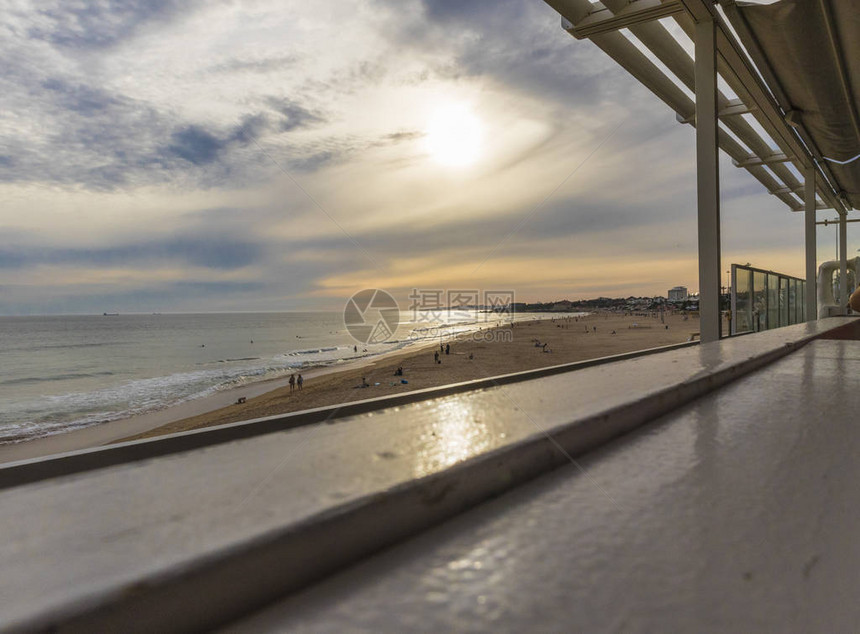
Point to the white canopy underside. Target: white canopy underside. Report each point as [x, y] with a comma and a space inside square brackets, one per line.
[813, 51]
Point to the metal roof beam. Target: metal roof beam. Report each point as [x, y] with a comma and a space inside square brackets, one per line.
[781, 191]
[602, 20]
[794, 190]
[755, 97]
[764, 177]
[634, 62]
[764, 160]
[657, 39]
[700, 11]
[786, 190]
[631, 59]
[734, 107]
[744, 79]
[620, 49]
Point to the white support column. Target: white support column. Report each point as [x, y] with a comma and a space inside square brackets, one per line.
[708, 181]
[843, 264]
[811, 255]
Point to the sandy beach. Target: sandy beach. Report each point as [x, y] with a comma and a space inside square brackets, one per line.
[487, 353]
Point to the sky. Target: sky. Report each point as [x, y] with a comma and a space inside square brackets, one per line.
[184, 156]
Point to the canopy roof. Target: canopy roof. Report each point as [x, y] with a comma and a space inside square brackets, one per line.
[809, 53]
[789, 80]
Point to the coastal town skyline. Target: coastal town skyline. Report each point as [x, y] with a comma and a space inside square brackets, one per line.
[184, 157]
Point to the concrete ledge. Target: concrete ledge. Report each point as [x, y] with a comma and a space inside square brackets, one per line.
[154, 545]
[737, 512]
[846, 332]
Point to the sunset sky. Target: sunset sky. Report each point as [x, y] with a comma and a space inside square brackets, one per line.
[202, 156]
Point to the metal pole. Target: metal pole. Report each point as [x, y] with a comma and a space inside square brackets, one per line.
[733, 283]
[826, 222]
[708, 181]
[843, 264]
[811, 256]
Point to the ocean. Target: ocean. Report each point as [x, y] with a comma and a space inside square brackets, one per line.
[60, 373]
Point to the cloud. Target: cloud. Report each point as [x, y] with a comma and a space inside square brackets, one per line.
[399, 137]
[196, 145]
[219, 252]
[102, 140]
[86, 135]
[126, 115]
[294, 114]
[313, 162]
[200, 146]
[94, 133]
[256, 65]
[519, 44]
[250, 129]
[73, 119]
[99, 25]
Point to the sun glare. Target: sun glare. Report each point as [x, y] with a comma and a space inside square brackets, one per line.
[454, 136]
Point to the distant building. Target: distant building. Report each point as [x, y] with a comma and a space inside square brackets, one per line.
[678, 294]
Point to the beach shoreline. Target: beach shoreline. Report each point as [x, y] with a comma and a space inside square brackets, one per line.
[478, 354]
[100, 434]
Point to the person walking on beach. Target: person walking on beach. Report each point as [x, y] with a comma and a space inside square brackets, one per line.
[447, 348]
[292, 382]
[435, 357]
[300, 381]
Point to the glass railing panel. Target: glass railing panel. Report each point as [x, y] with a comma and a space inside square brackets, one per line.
[762, 300]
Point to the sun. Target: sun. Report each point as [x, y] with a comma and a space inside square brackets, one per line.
[454, 136]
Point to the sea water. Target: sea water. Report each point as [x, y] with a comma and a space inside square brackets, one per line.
[59, 373]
